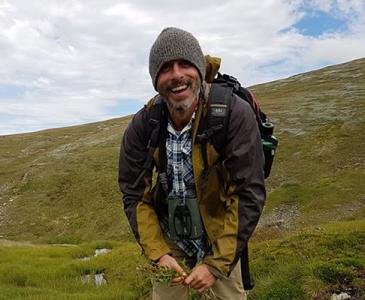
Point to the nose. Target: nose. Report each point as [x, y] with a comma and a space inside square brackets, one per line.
[176, 70]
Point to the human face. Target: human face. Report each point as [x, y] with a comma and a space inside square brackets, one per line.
[178, 83]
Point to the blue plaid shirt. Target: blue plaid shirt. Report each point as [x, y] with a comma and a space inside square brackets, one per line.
[179, 165]
[180, 172]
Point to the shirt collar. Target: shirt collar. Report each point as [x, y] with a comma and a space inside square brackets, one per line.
[171, 129]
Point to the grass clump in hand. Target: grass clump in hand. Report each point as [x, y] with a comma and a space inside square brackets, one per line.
[164, 274]
[158, 272]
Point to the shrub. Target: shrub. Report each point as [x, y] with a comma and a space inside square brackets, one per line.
[333, 274]
[283, 290]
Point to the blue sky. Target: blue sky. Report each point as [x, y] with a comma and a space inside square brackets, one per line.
[317, 23]
[11, 91]
[75, 61]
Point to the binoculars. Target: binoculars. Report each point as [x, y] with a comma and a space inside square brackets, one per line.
[184, 219]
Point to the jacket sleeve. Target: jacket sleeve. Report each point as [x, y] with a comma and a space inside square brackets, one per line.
[245, 189]
[137, 199]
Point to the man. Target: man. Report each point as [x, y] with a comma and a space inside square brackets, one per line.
[203, 208]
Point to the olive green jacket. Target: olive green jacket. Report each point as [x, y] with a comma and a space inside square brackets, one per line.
[231, 202]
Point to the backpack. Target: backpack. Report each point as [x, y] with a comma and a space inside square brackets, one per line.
[213, 129]
[223, 87]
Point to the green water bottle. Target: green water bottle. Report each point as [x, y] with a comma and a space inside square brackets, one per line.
[269, 143]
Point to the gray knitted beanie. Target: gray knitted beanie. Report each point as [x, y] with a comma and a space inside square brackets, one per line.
[174, 43]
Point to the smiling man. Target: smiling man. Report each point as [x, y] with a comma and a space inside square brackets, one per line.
[203, 207]
[179, 83]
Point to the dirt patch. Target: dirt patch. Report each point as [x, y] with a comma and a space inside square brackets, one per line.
[9, 243]
[283, 217]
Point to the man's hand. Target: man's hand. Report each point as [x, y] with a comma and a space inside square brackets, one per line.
[171, 263]
[200, 279]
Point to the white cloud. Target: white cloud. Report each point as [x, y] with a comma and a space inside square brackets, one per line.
[342, 8]
[74, 61]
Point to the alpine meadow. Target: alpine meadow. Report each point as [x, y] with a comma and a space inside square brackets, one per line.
[60, 204]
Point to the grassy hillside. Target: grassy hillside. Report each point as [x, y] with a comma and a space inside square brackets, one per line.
[319, 171]
[60, 186]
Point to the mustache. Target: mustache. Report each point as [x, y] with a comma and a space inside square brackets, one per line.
[177, 82]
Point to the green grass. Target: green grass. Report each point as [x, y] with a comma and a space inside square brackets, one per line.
[311, 264]
[62, 184]
[304, 265]
[55, 272]
[335, 198]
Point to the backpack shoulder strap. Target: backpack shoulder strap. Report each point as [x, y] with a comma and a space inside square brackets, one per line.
[157, 124]
[213, 127]
[156, 115]
[155, 109]
[218, 114]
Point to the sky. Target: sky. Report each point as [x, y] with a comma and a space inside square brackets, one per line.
[72, 62]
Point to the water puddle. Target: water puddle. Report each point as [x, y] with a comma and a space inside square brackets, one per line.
[101, 251]
[97, 253]
[98, 278]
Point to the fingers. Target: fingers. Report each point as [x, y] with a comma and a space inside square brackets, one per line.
[189, 279]
[177, 280]
[200, 279]
[195, 282]
[174, 265]
[171, 263]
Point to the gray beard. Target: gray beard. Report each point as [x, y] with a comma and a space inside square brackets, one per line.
[181, 106]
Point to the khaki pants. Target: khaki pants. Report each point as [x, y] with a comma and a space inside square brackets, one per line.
[229, 288]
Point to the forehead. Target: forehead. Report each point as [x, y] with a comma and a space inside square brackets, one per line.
[165, 69]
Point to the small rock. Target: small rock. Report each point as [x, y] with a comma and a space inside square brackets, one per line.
[85, 258]
[97, 253]
[101, 251]
[99, 279]
[86, 278]
[342, 296]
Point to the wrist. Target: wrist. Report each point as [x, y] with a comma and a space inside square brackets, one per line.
[167, 255]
